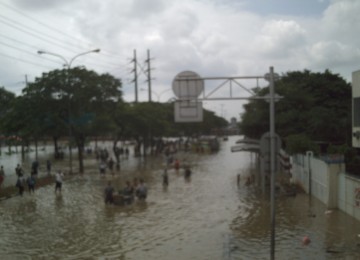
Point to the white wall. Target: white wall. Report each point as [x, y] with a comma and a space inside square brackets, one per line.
[347, 200]
[305, 165]
[329, 183]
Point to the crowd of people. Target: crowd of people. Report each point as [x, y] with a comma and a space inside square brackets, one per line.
[107, 162]
[30, 181]
[126, 196]
[135, 190]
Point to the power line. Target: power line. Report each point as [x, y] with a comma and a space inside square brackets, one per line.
[23, 60]
[106, 67]
[110, 53]
[47, 38]
[35, 55]
[105, 64]
[39, 22]
[34, 35]
[34, 30]
[14, 40]
[25, 51]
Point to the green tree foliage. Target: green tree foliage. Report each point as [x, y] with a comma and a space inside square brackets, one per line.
[210, 122]
[300, 143]
[317, 105]
[23, 120]
[80, 103]
[10, 125]
[141, 119]
[7, 99]
[147, 120]
[76, 101]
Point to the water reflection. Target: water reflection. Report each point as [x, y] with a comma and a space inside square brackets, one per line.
[59, 202]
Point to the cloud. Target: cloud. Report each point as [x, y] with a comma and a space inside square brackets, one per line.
[41, 4]
[342, 21]
[279, 38]
[328, 54]
[145, 8]
[210, 37]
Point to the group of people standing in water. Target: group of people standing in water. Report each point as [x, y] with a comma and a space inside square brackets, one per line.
[127, 195]
[176, 165]
[32, 179]
[138, 189]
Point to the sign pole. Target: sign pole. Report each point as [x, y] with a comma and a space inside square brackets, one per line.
[272, 161]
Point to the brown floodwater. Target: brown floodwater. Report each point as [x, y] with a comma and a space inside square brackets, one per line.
[206, 217]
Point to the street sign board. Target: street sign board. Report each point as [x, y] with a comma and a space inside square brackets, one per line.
[188, 111]
[187, 87]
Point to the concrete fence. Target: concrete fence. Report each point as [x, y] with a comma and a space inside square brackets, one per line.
[325, 179]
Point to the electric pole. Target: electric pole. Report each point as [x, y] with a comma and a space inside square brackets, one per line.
[135, 77]
[149, 74]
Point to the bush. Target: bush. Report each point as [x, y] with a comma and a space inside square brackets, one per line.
[300, 143]
[352, 161]
[338, 149]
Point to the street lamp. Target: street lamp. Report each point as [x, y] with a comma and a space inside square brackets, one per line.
[68, 65]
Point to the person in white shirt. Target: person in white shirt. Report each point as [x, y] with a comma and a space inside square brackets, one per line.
[58, 181]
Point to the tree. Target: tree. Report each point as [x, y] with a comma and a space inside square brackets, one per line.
[7, 98]
[317, 105]
[76, 101]
[146, 121]
[48, 109]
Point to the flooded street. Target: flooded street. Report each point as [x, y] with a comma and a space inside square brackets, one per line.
[207, 217]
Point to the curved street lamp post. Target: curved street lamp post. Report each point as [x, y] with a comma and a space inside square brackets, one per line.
[68, 65]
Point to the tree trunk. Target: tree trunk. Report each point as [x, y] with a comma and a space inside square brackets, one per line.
[36, 149]
[56, 148]
[137, 148]
[116, 151]
[81, 144]
[81, 158]
[22, 150]
[145, 145]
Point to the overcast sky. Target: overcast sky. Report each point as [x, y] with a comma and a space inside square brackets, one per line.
[214, 38]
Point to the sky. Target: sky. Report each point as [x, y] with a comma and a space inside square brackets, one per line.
[214, 38]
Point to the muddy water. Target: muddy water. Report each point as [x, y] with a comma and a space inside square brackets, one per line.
[208, 217]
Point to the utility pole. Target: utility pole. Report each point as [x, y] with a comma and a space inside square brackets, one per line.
[26, 80]
[149, 74]
[22, 143]
[135, 77]
[272, 161]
